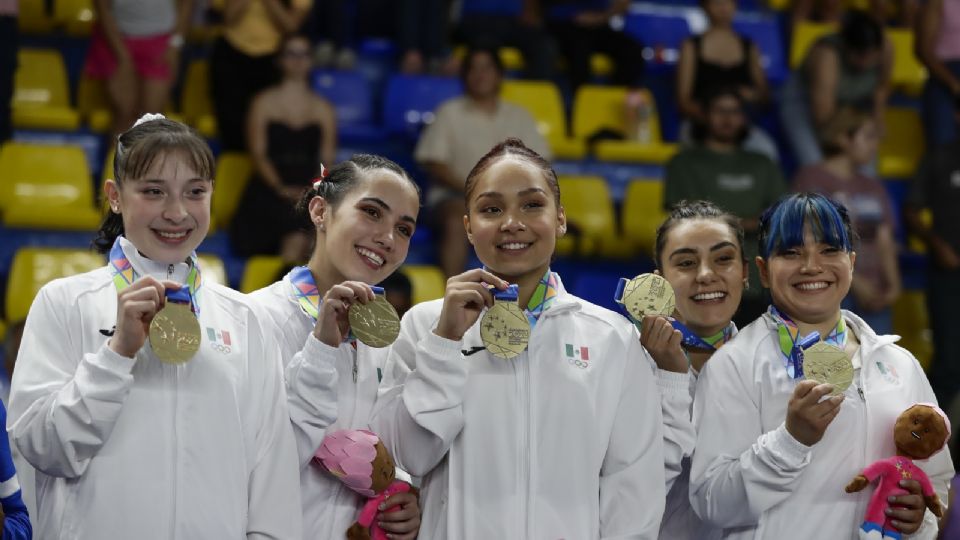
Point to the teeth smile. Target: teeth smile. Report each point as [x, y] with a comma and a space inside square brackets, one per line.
[710, 295]
[514, 245]
[370, 255]
[172, 235]
[812, 286]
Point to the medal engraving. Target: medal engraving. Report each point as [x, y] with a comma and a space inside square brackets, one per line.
[505, 330]
[828, 364]
[649, 294]
[375, 324]
[175, 333]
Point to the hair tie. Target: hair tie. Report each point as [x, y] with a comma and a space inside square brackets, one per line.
[149, 117]
[323, 174]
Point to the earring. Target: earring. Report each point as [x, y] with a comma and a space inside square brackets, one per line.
[323, 227]
[746, 284]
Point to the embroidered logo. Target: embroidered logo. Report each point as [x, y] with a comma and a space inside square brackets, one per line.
[219, 340]
[889, 373]
[578, 356]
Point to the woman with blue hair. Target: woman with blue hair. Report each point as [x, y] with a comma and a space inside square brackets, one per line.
[774, 449]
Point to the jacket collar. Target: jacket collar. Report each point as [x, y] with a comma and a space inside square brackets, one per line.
[144, 266]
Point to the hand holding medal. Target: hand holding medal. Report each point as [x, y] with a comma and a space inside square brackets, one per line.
[333, 317]
[464, 300]
[175, 330]
[375, 323]
[137, 305]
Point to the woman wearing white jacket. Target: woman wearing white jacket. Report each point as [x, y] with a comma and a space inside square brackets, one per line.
[774, 451]
[562, 441]
[365, 212]
[124, 445]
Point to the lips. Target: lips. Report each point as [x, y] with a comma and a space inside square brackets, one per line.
[812, 286]
[707, 296]
[172, 237]
[372, 258]
[514, 246]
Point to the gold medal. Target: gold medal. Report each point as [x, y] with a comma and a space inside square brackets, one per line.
[828, 364]
[375, 324]
[175, 333]
[505, 330]
[648, 294]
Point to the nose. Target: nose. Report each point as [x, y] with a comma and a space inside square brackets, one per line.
[386, 239]
[511, 223]
[175, 211]
[705, 273]
[811, 263]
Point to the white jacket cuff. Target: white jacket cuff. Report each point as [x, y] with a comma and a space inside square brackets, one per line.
[441, 347]
[672, 382]
[112, 361]
[793, 452]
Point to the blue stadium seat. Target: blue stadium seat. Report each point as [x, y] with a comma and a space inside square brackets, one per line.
[766, 34]
[410, 101]
[350, 93]
[661, 30]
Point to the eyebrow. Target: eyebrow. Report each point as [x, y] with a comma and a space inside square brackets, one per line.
[379, 202]
[691, 251]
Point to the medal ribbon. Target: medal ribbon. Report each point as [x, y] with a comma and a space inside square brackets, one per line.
[792, 344]
[543, 297]
[307, 295]
[124, 275]
[511, 294]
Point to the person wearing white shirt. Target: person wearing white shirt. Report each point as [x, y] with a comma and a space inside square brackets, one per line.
[564, 440]
[128, 446]
[774, 451]
[365, 212]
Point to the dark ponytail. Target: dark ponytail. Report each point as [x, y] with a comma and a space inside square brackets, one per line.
[343, 177]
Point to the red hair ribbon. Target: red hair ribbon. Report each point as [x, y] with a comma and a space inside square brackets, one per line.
[323, 174]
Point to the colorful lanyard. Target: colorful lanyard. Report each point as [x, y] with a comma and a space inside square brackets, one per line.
[543, 297]
[124, 275]
[722, 337]
[792, 344]
[307, 295]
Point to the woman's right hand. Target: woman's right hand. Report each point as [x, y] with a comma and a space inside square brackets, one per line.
[333, 322]
[662, 341]
[136, 307]
[807, 416]
[464, 300]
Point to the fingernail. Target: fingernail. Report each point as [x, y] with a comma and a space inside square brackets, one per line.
[382, 507]
[890, 500]
[888, 511]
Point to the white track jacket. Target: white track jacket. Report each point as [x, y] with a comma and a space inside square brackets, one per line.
[751, 478]
[135, 448]
[563, 441]
[322, 395]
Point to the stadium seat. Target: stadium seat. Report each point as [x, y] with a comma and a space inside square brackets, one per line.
[591, 223]
[351, 96]
[41, 95]
[427, 281]
[411, 101]
[804, 35]
[94, 105]
[75, 16]
[212, 269]
[195, 99]
[908, 73]
[33, 18]
[233, 173]
[46, 187]
[602, 107]
[765, 33]
[542, 100]
[911, 322]
[34, 267]
[512, 60]
[661, 31]
[260, 271]
[642, 214]
[903, 144]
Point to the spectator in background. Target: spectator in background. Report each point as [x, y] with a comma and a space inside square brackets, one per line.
[422, 35]
[465, 129]
[509, 23]
[135, 50]
[831, 11]
[849, 141]
[846, 69]
[722, 57]
[242, 60]
[583, 27]
[719, 170]
[823, 11]
[291, 131]
[937, 188]
[8, 64]
[938, 48]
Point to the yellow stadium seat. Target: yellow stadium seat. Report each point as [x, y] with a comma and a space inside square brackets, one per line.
[94, 105]
[34, 267]
[428, 282]
[805, 34]
[260, 271]
[911, 322]
[601, 64]
[914, 243]
[902, 146]
[212, 269]
[75, 16]
[46, 187]
[195, 100]
[542, 100]
[41, 95]
[603, 107]
[591, 223]
[908, 73]
[643, 213]
[233, 173]
[33, 18]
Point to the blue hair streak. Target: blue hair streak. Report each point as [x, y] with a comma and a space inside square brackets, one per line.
[781, 225]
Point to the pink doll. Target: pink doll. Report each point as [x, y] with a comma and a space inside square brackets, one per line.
[920, 432]
[362, 463]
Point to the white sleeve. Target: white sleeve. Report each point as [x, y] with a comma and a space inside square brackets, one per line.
[273, 510]
[311, 382]
[738, 471]
[63, 402]
[679, 436]
[632, 487]
[419, 411]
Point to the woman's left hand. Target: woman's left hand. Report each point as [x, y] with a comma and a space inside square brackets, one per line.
[404, 523]
[906, 511]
